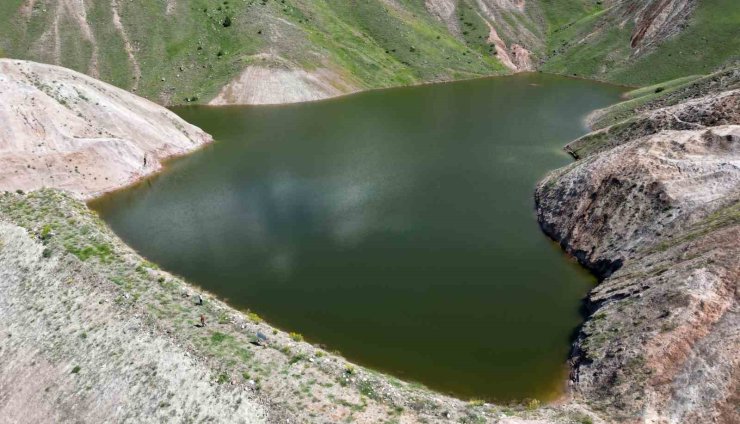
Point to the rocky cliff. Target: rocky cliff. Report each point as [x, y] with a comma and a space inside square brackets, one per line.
[66, 130]
[652, 207]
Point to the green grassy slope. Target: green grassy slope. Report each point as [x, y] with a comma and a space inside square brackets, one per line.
[194, 50]
[186, 50]
[593, 45]
[711, 39]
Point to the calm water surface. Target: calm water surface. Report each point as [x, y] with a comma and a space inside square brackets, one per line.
[396, 226]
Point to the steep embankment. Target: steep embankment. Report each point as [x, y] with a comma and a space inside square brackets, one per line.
[272, 51]
[653, 207]
[66, 130]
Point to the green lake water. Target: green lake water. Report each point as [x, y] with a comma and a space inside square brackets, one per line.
[395, 226]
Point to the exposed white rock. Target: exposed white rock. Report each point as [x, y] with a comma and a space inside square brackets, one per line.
[62, 129]
[260, 85]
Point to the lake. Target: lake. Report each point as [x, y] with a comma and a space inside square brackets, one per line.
[394, 226]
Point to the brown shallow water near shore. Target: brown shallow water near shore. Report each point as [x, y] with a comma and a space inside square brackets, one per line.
[395, 226]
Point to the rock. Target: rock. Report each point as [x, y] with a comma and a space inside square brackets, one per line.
[77, 122]
[655, 214]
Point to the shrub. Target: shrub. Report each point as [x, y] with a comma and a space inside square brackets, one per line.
[297, 337]
[76, 369]
[46, 232]
[254, 317]
[532, 404]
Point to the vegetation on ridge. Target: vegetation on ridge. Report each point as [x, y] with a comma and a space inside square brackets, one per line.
[179, 52]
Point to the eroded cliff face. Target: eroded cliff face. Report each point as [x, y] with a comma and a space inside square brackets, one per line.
[65, 130]
[655, 213]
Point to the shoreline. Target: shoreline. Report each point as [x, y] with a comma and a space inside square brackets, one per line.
[556, 392]
[78, 260]
[398, 87]
[161, 299]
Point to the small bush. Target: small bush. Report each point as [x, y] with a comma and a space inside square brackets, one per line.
[222, 378]
[76, 369]
[297, 337]
[532, 404]
[226, 22]
[254, 317]
[46, 232]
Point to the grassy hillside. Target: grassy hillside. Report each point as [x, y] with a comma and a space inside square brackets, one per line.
[190, 49]
[596, 43]
[176, 51]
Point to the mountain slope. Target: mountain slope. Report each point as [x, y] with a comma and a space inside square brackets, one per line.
[645, 42]
[179, 51]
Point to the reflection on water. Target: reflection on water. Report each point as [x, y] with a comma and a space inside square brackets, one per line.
[395, 226]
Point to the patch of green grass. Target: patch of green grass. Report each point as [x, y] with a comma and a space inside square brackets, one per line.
[592, 45]
[624, 110]
[474, 29]
[476, 402]
[560, 14]
[217, 338]
[603, 51]
[367, 389]
[101, 251]
[711, 39]
[660, 87]
[254, 317]
[532, 404]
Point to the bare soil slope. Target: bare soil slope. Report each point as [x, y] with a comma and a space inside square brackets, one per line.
[654, 210]
[66, 130]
